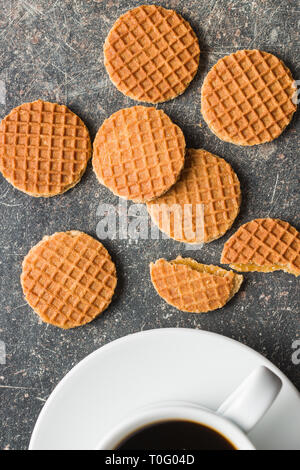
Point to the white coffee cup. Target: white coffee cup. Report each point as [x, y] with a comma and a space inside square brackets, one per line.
[234, 419]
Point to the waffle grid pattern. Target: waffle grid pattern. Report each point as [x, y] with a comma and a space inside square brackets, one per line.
[152, 54]
[247, 98]
[68, 279]
[139, 153]
[190, 290]
[44, 148]
[264, 242]
[208, 180]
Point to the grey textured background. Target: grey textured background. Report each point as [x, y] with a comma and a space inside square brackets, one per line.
[53, 50]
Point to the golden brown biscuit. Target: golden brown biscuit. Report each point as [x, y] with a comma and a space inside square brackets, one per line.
[248, 97]
[138, 153]
[151, 54]
[68, 279]
[194, 287]
[265, 245]
[206, 180]
[44, 148]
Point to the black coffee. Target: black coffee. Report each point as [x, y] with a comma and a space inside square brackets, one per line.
[175, 435]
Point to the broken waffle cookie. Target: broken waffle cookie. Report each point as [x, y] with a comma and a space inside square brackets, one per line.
[151, 54]
[138, 153]
[204, 202]
[265, 245]
[248, 97]
[44, 148]
[194, 287]
[68, 279]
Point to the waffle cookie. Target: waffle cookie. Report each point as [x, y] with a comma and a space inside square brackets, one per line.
[248, 98]
[211, 188]
[44, 148]
[151, 54]
[265, 245]
[68, 279]
[138, 153]
[193, 287]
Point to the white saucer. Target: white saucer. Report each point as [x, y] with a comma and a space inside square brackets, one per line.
[156, 365]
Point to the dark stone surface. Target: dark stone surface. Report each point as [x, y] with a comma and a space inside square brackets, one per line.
[53, 50]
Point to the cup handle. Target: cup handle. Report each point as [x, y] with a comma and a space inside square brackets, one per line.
[252, 399]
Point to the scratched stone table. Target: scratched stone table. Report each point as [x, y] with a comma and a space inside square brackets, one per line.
[53, 50]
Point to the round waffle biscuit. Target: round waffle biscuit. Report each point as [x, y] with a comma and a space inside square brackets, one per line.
[265, 245]
[68, 279]
[193, 287]
[151, 54]
[138, 153]
[204, 202]
[44, 148]
[248, 98]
